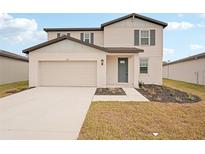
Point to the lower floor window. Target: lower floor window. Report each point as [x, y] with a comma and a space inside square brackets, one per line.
[144, 66]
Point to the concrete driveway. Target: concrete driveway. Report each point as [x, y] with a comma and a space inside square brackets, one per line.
[44, 113]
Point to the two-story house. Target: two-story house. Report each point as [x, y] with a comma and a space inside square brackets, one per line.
[121, 52]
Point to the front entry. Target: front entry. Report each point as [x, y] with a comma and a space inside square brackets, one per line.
[122, 69]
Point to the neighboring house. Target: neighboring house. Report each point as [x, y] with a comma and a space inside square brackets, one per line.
[13, 67]
[190, 69]
[121, 52]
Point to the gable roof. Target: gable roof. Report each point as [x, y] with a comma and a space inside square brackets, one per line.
[109, 23]
[108, 50]
[7, 54]
[136, 16]
[194, 57]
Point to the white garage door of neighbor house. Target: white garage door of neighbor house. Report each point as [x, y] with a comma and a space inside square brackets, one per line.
[68, 73]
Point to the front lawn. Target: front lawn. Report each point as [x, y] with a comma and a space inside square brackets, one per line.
[11, 88]
[141, 120]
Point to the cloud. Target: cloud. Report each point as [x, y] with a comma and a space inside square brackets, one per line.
[20, 30]
[196, 46]
[168, 51]
[200, 25]
[180, 25]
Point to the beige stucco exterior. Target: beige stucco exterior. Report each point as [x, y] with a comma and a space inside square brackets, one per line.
[66, 50]
[112, 69]
[69, 51]
[119, 34]
[192, 71]
[12, 70]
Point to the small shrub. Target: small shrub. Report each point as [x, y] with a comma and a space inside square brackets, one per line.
[143, 88]
[152, 91]
[190, 97]
[141, 84]
[178, 99]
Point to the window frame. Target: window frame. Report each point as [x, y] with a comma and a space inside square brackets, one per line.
[147, 59]
[140, 37]
[89, 38]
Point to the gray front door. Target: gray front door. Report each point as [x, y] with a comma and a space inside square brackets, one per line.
[122, 69]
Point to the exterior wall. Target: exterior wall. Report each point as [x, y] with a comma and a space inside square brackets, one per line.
[12, 70]
[98, 35]
[66, 50]
[186, 71]
[154, 75]
[121, 34]
[112, 69]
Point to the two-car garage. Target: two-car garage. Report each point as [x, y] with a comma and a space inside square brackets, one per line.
[67, 61]
[68, 73]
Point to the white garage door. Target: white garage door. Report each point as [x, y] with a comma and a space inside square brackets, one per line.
[64, 73]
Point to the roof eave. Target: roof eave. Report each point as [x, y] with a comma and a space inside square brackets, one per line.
[109, 23]
[60, 39]
[195, 57]
[125, 51]
[41, 45]
[137, 16]
[13, 56]
[72, 29]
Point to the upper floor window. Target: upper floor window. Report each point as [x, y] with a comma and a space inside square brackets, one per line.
[87, 37]
[144, 66]
[144, 37]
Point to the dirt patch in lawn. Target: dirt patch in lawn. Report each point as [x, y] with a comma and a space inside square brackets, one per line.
[166, 94]
[110, 91]
[17, 90]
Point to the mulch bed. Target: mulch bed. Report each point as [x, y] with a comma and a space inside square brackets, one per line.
[166, 94]
[110, 91]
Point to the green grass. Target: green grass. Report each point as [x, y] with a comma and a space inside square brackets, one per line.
[139, 120]
[10, 88]
[188, 87]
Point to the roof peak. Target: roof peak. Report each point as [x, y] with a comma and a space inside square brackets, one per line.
[109, 23]
[136, 16]
[108, 50]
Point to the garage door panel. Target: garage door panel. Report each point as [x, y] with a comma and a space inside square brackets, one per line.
[72, 73]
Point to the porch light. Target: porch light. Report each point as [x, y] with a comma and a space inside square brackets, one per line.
[102, 61]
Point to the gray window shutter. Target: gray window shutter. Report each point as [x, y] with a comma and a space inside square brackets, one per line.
[136, 37]
[81, 36]
[152, 37]
[68, 34]
[92, 38]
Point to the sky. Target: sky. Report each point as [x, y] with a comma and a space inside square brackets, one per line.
[184, 36]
